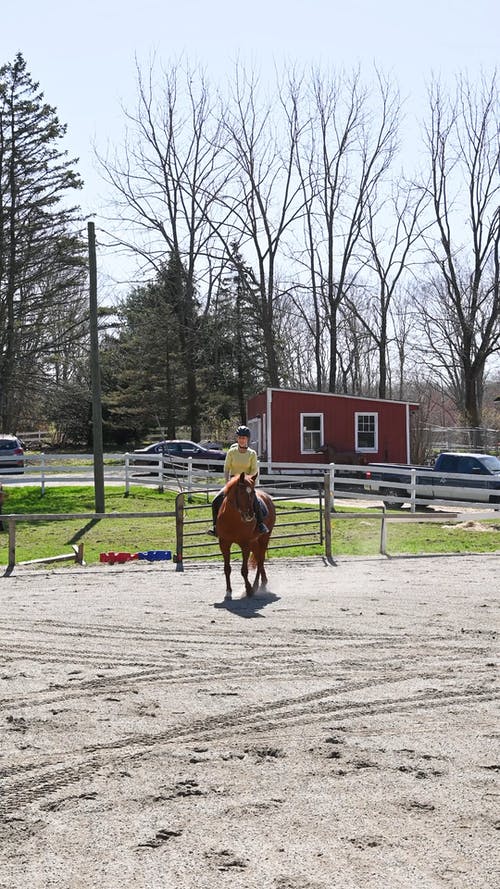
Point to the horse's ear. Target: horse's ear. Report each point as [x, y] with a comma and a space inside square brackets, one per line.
[254, 477]
[242, 477]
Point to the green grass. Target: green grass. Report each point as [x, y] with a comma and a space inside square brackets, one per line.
[35, 540]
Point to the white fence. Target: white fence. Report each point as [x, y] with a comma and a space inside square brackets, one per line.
[164, 472]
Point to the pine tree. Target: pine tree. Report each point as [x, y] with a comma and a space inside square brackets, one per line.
[41, 255]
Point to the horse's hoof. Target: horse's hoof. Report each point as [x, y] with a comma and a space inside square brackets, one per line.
[228, 596]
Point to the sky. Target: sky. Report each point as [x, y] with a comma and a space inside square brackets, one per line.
[83, 55]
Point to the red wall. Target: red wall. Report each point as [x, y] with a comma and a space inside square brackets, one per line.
[339, 424]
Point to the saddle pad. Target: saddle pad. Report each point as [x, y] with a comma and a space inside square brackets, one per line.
[262, 506]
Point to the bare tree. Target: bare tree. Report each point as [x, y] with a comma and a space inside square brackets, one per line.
[461, 300]
[389, 252]
[350, 147]
[264, 200]
[403, 314]
[166, 181]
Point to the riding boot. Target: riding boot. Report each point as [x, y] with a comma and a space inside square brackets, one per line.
[215, 510]
[261, 527]
[216, 502]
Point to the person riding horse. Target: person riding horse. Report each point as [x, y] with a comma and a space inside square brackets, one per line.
[240, 458]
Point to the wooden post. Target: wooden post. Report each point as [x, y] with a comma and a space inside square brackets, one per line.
[12, 544]
[95, 376]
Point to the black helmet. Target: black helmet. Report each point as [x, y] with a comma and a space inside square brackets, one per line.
[243, 430]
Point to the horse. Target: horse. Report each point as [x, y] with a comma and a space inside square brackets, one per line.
[236, 523]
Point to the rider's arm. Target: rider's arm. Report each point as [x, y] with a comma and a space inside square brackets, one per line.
[254, 464]
[227, 466]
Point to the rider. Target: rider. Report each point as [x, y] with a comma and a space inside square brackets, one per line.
[240, 458]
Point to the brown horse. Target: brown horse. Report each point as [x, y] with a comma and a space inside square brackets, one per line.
[236, 523]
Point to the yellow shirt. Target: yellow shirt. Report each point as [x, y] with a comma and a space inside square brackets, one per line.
[237, 462]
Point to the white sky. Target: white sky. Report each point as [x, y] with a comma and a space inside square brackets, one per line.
[83, 53]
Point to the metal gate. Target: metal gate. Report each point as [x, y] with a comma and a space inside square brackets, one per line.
[296, 525]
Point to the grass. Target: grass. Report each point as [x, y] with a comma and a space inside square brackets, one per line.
[35, 540]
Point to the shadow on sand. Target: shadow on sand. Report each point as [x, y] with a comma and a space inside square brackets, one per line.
[249, 606]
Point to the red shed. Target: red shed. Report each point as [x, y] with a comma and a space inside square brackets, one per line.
[291, 426]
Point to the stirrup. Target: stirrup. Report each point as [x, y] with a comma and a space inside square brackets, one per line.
[212, 532]
[262, 528]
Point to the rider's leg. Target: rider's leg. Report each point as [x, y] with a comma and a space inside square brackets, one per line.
[261, 527]
[216, 503]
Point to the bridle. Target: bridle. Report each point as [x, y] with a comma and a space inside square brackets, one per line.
[247, 514]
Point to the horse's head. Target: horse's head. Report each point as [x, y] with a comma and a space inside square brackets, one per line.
[239, 492]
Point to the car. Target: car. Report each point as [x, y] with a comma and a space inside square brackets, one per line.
[11, 454]
[179, 448]
[212, 445]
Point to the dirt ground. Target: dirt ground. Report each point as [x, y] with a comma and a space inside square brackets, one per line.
[336, 731]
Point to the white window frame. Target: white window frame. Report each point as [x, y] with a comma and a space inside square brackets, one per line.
[359, 448]
[304, 450]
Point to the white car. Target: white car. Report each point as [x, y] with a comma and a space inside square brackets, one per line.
[11, 455]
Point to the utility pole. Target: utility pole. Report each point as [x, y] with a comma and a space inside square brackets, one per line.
[95, 376]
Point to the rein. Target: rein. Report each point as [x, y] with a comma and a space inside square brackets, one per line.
[247, 514]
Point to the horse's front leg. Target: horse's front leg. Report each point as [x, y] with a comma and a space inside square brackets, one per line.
[226, 552]
[245, 552]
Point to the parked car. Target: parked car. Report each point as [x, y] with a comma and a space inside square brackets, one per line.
[178, 448]
[11, 454]
[212, 445]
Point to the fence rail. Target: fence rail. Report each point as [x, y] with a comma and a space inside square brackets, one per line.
[281, 489]
[330, 482]
[346, 481]
[12, 520]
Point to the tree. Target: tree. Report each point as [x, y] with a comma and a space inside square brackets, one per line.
[41, 256]
[460, 302]
[263, 199]
[166, 181]
[143, 368]
[341, 166]
[388, 258]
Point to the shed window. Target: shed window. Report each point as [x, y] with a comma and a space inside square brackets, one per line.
[367, 432]
[311, 432]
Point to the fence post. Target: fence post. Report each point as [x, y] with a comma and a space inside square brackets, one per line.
[179, 530]
[383, 533]
[328, 521]
[42, 473]
[160, 473]
[332, 485]
[127, 476]
[320, 507]
[413, 476]
[12, 543]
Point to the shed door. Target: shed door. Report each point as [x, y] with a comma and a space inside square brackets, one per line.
[255, 436]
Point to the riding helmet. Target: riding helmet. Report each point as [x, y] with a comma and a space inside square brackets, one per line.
[243, 430]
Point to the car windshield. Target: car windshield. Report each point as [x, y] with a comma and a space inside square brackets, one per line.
[7, 444]
[491, 463]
